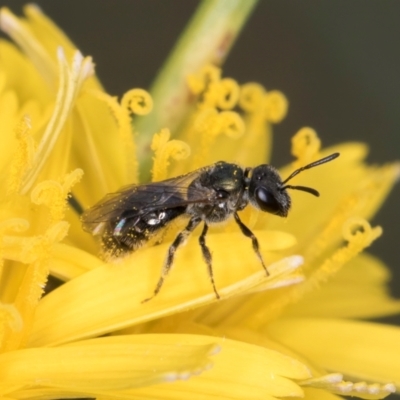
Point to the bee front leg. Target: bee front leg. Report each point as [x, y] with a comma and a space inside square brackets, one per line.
[247, 232]
[179, 240]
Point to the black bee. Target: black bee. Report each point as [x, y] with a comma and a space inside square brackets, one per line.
[129, 218]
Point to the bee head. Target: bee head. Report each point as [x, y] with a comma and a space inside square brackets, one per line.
[268, 192]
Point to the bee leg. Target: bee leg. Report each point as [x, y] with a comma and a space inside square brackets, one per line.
[247, 232]
[179, 240]
[207, 257]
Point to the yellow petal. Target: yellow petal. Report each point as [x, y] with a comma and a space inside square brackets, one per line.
[335, 383]
[240, 371]
[15, 65]
[236, 311]
[68, 262]
[110, 297]
[46, 32]
[22, 35]
[132, 365]
[359, 235]
[319, 394]
[362, 190]
[103, 364]
[363, 350]
[359, 290]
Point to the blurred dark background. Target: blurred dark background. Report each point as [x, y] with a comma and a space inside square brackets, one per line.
[337, 62]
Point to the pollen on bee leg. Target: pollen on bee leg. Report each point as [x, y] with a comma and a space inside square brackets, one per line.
[165, 149]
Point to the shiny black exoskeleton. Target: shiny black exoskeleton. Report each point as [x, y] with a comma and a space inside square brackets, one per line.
[127, 219]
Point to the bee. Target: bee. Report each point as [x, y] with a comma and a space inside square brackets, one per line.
[131, 217]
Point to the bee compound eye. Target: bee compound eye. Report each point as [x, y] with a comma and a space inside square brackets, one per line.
[266, 200]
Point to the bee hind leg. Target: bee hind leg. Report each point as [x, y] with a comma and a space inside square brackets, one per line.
[179, 240]
[207, 257]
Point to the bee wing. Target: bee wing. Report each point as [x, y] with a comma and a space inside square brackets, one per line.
[135, 201]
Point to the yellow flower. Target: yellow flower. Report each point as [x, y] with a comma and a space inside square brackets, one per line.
[294, 333]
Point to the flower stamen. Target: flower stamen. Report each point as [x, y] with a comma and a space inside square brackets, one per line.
[24, 155]
[305, 147]
[54, 194]
[138, 101]
[164, 149]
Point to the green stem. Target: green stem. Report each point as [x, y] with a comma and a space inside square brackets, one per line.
[207, 39]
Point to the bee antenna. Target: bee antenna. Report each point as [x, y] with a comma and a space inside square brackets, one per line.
[308, 166]
[303, 188]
